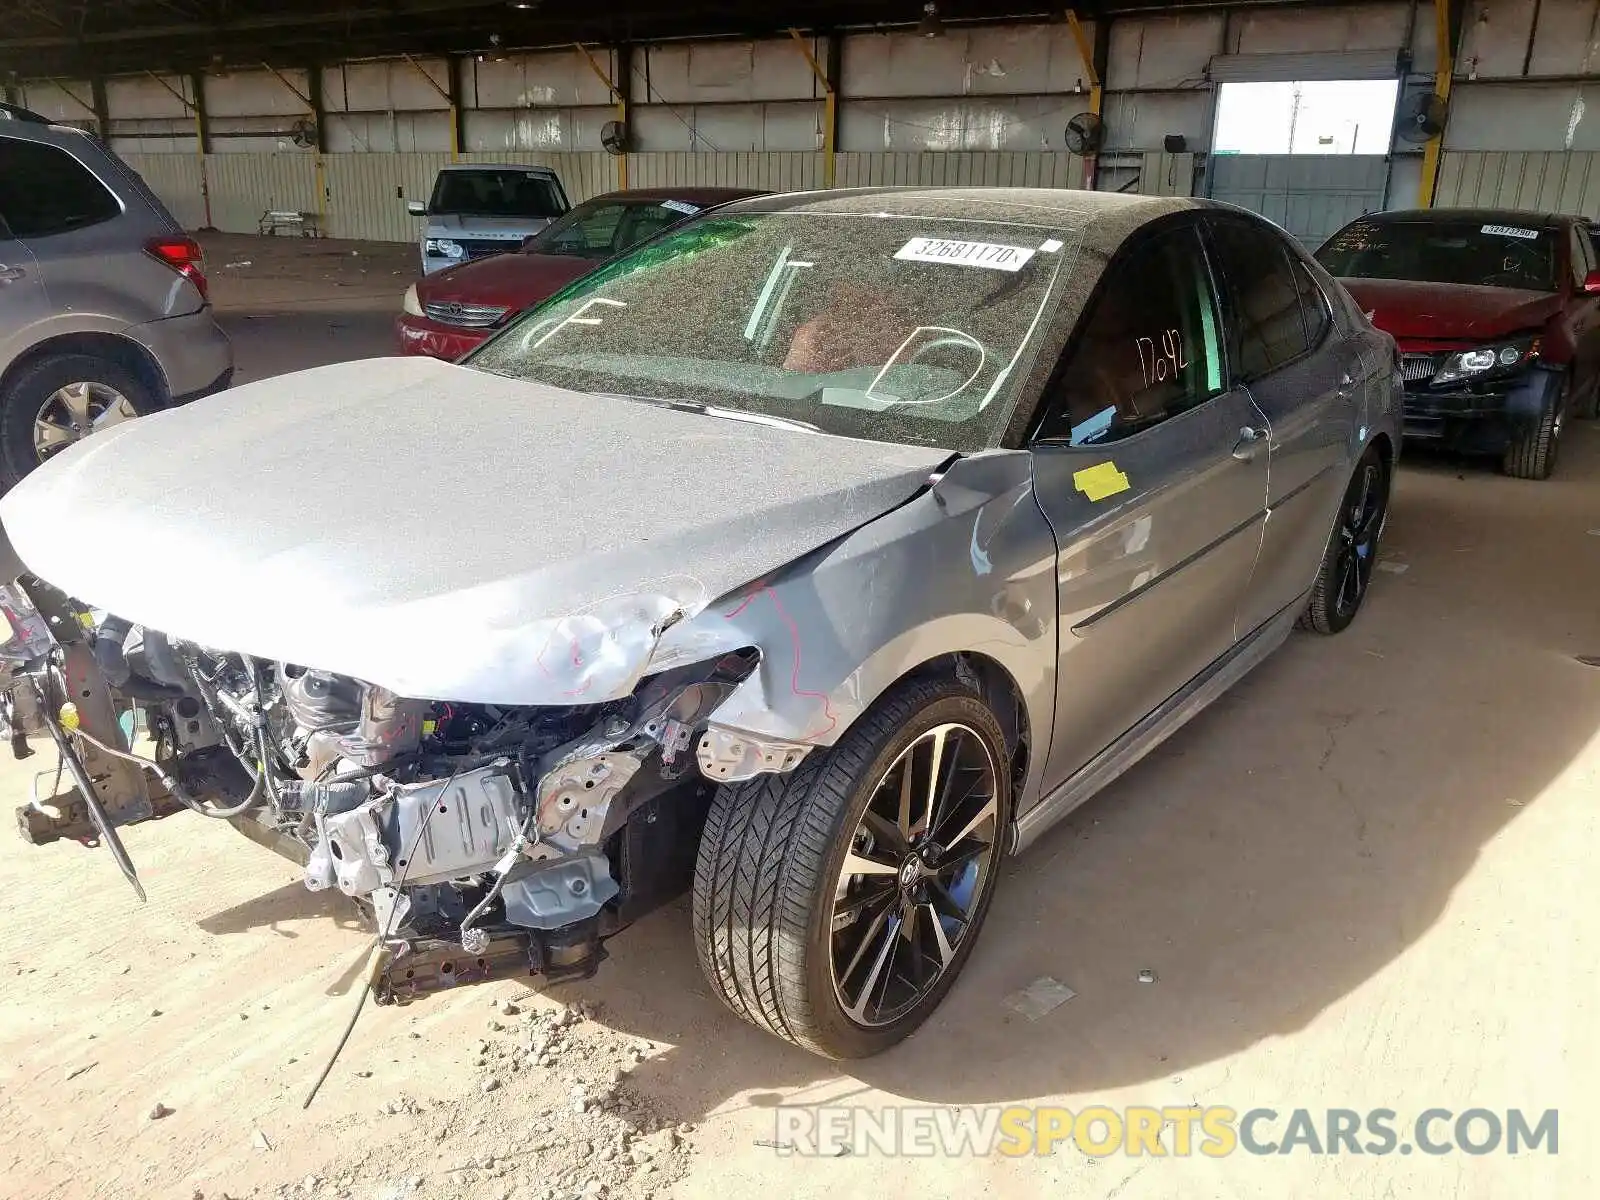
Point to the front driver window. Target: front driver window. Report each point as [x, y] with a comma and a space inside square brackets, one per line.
[1147, 350]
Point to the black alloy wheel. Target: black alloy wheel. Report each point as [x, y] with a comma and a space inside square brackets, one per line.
[1352, 552]
[920, 860]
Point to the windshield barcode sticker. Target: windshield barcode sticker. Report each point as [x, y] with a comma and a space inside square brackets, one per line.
[1511, 231]
[965, 254]
[680, 206]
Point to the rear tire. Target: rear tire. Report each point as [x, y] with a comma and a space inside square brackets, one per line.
[1533, 455]
[25, 397]
[1588, 407]
[1352, 550]
[777, 905]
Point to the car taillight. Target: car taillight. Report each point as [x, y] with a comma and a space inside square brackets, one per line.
[184, 256]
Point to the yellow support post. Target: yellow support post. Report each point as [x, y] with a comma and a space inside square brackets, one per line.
[621, 104]
[1444, 69]
[830, 104]
[455, 117]
[193, 107]
[1096, 92]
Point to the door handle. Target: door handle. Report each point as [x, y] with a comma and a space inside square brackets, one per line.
[1251, 442]
[1347, 386]
[10, 274]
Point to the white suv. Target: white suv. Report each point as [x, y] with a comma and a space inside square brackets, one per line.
[478, 210]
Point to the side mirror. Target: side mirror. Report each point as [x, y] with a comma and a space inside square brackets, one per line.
[533, 237]
[416, 208]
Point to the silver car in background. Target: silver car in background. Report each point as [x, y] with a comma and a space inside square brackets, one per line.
[103, 306]
[476, 210]
[814, 554]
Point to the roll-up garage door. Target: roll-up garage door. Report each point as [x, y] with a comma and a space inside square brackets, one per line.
[1273, 68]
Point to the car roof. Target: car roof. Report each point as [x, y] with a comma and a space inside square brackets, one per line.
[495, 166]
[1054, 208]
[704, 197]
[1485, 216]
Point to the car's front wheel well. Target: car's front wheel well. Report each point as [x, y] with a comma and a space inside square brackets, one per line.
[1385, 449]
[995, 685]
[125, 352]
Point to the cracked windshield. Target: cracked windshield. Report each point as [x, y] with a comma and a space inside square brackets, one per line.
[912, 331]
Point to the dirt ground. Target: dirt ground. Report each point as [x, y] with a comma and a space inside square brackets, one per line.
[1360, 880]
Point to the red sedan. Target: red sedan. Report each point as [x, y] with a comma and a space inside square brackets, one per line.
[1497, 317]
[453, 311]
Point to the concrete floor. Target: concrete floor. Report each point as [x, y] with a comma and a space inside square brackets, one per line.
[292, 303]
[1361, 880]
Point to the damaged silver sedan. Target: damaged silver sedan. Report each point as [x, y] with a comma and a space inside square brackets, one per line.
[814, 556]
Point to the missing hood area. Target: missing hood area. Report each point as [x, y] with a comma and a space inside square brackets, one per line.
[464, 672]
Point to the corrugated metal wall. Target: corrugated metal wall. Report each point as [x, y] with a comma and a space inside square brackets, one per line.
[243, 186]
[997, 168]
[176, 179]
[774, 172]
[1551, 181]
[365, 194]
[982, 105]
[1311, 195]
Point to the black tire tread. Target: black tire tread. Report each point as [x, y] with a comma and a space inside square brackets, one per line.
[36, 381]
[761, 855]
[1533, 454]
[1318, 616]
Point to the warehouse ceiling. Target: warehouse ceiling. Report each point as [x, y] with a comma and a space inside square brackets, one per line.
[79, 38]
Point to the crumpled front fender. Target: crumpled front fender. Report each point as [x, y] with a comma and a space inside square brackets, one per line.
[968, 566]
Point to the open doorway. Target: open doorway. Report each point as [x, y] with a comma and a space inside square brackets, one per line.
[1314, 116]
[1311, 155]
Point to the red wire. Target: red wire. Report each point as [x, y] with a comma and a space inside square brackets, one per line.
[794, 639]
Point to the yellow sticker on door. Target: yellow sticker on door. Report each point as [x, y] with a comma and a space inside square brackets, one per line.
[1099, 481]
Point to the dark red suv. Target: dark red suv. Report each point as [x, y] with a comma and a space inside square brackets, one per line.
[1497, 317]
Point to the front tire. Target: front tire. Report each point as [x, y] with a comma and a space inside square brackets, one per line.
[1533, 454]
[835, 906]
[1352, 550]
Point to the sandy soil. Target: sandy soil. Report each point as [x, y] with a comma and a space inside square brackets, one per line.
[1365, 878]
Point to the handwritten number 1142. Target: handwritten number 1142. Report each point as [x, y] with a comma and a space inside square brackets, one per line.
[1164, 362]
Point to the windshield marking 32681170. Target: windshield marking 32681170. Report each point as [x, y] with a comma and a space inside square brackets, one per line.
[846, 325]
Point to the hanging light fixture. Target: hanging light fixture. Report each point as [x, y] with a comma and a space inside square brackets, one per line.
[931, 25]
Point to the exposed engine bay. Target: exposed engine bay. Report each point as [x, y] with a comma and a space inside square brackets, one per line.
[482, 841]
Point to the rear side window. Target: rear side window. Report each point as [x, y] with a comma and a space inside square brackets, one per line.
[1147, 350]
[1267, 329]
[1313, 304]
[45, 191]
[1582, 255]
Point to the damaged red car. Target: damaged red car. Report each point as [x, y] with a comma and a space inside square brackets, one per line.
[453, 311]
[1497, 317]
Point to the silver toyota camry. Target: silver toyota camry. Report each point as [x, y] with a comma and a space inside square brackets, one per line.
[813, 555]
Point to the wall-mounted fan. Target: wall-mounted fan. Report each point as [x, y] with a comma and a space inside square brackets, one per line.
[614, 137]
[1085, 132]
[303, 133]
[1422, 116]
